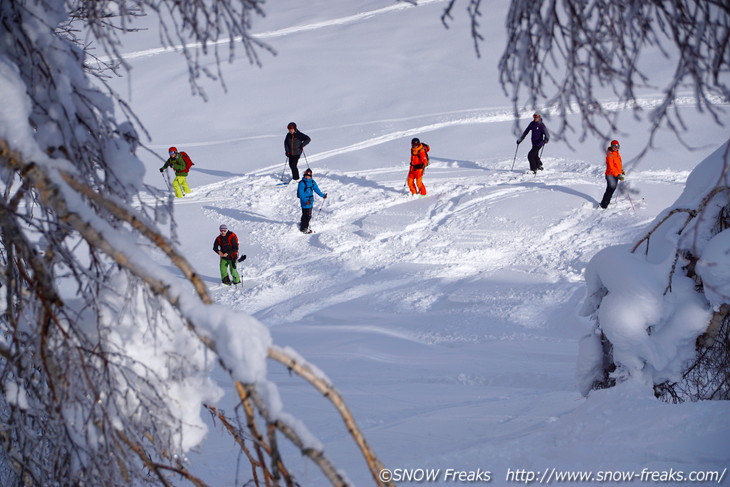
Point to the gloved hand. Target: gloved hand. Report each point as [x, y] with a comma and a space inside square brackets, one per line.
[621, 176]
[242, 258]
[325, 196]
[288, 154]
[546, 141]
[162, 169]
[519, 140]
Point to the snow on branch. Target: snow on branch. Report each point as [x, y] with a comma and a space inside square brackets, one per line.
[68, 208]
[105, 354]
[566, 56]
[311, 375]
[194, 27]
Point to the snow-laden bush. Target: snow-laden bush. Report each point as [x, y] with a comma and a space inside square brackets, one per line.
[660, 307]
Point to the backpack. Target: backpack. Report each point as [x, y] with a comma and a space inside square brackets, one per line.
[188, 162]
[425, 149]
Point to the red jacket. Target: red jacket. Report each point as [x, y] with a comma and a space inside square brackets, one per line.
[613, 163]
[419, 156]
[228, 244]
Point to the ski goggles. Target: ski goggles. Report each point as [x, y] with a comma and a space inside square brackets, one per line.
[173, 153]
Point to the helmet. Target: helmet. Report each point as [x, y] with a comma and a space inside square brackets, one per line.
[415, 141]
[614, 142]
[307, 172]
[291, 125]
[172, 149]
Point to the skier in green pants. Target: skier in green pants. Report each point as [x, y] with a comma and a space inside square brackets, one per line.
[226, 246]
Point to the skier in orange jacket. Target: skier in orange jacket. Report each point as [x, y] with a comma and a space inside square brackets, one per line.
[419, 162]
[614, 172]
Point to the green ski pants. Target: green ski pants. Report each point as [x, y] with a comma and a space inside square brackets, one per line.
[225, 266]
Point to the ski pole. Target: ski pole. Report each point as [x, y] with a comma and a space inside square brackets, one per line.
[281, 178]
[515, 158]
[629, 197]
[322, 205]
[305, 159]
[167, 180]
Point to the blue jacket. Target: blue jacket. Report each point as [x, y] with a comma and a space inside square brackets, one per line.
[306, 190]
[539, 133]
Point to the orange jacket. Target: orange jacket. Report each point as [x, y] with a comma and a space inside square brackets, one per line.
[419, 156]
[613, 163]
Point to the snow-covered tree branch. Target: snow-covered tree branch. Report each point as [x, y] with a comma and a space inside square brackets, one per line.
[105, 354]
[565, 56]
[662, 316]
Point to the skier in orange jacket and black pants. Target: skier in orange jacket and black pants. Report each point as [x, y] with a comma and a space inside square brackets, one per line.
[614, 172]
[419, 161]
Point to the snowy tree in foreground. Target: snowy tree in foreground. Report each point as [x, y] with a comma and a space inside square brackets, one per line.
[661, 307]
[104, 354]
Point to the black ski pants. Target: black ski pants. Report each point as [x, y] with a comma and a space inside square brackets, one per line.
[611, 184]
[306, 217]
[534, 157]
[293, 161]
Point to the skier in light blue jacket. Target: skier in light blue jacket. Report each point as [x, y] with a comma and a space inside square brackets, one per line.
[305, 191]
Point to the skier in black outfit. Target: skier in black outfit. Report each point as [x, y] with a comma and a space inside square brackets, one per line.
[539, 138]
[294, 143]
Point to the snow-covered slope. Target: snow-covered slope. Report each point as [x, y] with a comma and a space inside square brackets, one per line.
[448, 322]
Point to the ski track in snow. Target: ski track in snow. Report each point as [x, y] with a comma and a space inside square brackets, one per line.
[428, 240]
[438, 121]
[432, 239]
[349, 19]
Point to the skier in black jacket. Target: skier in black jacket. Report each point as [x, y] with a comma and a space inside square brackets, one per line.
[539, 138]
[294, 143]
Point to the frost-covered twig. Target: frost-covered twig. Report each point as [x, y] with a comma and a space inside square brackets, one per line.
[326, 389]
[248, 392]
[158, 468]
[691, 212]
[558, 54]
[145, 229]
[238, 438]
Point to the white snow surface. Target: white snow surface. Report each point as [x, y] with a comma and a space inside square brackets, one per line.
[450, 323]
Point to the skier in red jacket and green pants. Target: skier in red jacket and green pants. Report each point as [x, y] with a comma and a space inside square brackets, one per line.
[226, 246]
